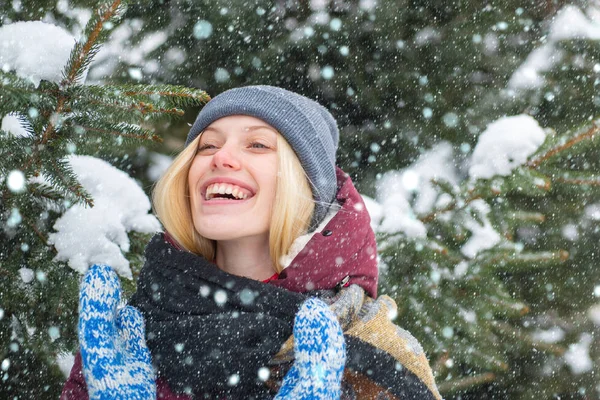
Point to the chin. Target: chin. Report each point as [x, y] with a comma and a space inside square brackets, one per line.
[217, 233]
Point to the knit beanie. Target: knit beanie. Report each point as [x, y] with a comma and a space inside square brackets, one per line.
[307, 126]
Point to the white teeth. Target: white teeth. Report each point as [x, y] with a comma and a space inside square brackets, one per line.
[225, 188]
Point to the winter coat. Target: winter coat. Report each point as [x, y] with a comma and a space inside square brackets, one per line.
[204, 326]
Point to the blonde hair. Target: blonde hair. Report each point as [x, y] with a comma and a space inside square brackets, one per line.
[291, 214]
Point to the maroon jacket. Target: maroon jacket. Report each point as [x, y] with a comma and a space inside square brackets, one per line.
[347, 242]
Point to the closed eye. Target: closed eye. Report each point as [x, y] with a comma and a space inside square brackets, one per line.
[258, 145]
[206, 147]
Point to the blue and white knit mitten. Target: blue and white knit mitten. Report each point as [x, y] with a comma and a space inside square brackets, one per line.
[116, 360]
[320, 353]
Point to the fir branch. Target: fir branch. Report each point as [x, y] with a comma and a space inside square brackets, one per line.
[588, 134]
[80, 58]
[515, 332]
[466, 383]
[39, 234]
[527, 216]
[168, 95]
[134, 132]
[90, 46]
[595, 181]
[144, 109]
[62, 176]
[182, 95]
[516, 262]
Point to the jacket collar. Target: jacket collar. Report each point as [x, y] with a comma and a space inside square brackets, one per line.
[343, 252]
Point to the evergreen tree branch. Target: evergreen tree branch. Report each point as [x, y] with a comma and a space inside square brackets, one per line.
[39, 234]
[466, 383]
[145, 109]
[143, 134]
[580, 181]
[80, 58]
[515, 332]
[91, 41]
[168, 95]
[588, 134]
[510, 261]
[63, 177]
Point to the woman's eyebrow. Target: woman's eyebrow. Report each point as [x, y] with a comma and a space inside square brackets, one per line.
[250, 128]
[256, 127]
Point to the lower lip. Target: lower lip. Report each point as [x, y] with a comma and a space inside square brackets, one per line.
[224, 202]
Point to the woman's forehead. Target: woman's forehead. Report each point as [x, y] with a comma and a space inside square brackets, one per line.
[239, 122]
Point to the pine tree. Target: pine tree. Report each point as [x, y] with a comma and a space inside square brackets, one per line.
[38, 298]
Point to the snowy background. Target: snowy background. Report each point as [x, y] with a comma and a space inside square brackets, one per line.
[402, 190]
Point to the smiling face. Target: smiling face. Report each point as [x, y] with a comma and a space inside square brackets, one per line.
[233, 178]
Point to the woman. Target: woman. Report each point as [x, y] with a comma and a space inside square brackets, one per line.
[256, 192]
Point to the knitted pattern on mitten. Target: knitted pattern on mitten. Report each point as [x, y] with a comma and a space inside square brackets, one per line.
[320, 355]
[116, 361]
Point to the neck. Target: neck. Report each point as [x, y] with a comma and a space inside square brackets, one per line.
[248, 257]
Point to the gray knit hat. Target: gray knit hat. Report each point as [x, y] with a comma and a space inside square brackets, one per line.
[307, 126]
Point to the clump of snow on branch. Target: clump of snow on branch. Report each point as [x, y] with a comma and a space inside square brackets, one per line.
[375, 211]
[483, 236]
[24, 48]
[505, 144]
[14, 125]
[398, 215]
[404, 194]
[158, 165]
[85, 236]
[569, 23]
[594, 313]
[552, 335]
[577, 356]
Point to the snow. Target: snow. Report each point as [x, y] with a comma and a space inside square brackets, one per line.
[577, 356]
[26, 274]
[594, 314]
[404, 194]
[14, 125]
[65, 363]
[374, 209]
[505, 144]
[438, 164]
[24, 49]
[593, 212]
[570, 232]
[16, 181]
[483, 236]
[552, 335]
[569, 23]
[118, 49]
[398, 213]
[158, 165]
[85, 236]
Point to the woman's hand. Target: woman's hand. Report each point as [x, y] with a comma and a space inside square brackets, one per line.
[320, 355]
[116, 360]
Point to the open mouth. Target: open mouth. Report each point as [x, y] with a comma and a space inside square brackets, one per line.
[226, 191]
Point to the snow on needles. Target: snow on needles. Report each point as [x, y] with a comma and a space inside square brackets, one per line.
[569, 23]
[98, 235]
[396, 190]
[35, 50]
[505, 144]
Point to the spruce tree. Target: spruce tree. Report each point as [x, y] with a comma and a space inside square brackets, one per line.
[39, 292]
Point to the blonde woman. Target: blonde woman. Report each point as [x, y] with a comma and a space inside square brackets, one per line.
[257, 220]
